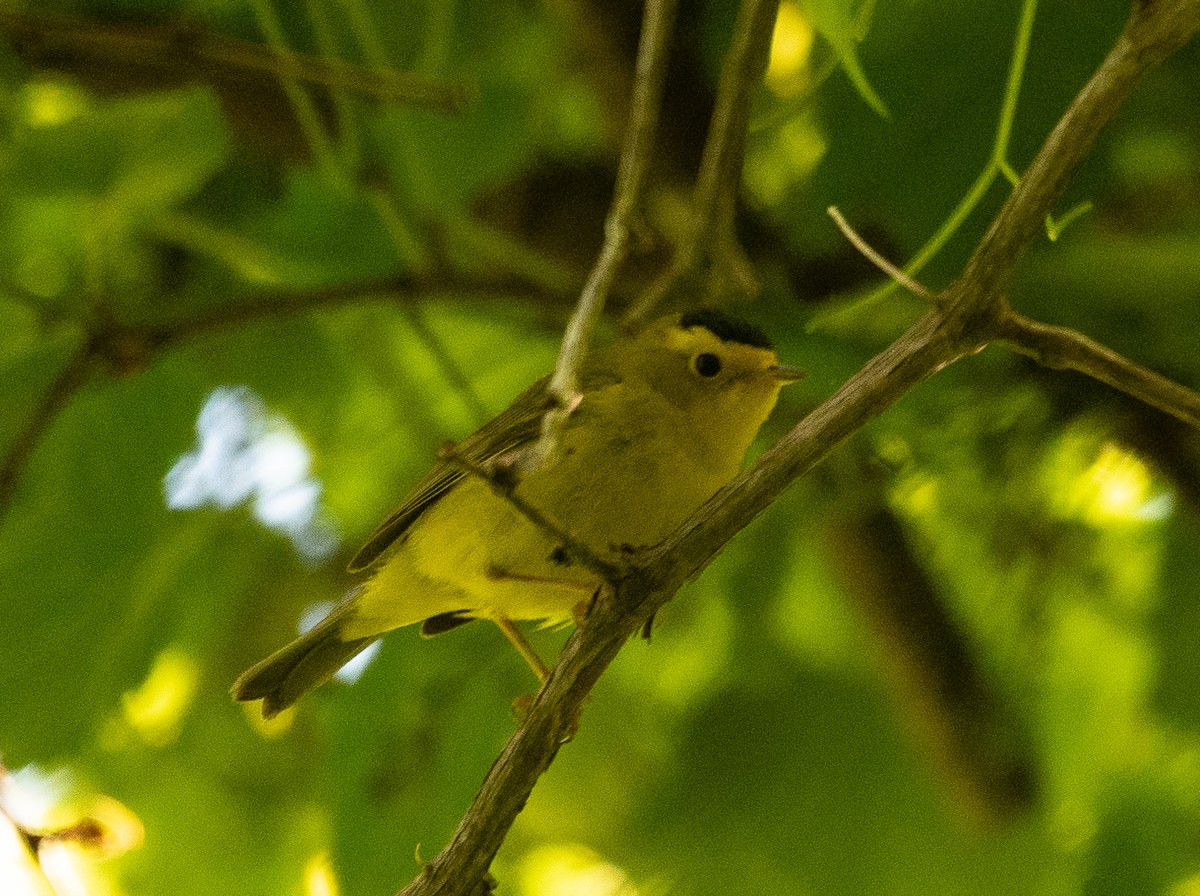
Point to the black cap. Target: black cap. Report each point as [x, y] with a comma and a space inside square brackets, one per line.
[726, 328]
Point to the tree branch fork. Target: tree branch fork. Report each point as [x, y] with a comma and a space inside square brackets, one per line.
[963, 319]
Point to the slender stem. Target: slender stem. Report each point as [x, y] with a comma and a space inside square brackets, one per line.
[1012, 87]
[997, 161]
[717, 183]
[347, 124]
[951, 225]
[657, 23]
[192, 50]
[1153, 32]
[1056, 226]
[77, 371]
[365, 32]
[302, 105]
[1062, 348]
[451, 370]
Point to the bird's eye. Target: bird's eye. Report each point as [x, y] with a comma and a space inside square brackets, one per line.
[706, 364]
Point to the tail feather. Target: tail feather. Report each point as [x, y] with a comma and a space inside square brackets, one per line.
[295, 669]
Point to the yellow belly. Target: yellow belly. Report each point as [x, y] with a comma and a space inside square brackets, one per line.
[473, 552]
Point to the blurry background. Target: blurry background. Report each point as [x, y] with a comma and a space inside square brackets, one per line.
[242, 304]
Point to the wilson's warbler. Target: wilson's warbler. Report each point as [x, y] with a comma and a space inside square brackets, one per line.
[665, 420]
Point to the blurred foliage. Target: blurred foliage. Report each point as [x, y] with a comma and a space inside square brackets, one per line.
[960, 657]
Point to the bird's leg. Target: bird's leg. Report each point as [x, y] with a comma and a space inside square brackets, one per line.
[523, 646]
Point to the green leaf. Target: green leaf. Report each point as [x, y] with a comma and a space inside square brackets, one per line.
[319, 234]
[839, 24]
[86, 564]
[135, 154]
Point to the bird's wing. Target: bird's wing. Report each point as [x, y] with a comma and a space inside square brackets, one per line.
[515, 427]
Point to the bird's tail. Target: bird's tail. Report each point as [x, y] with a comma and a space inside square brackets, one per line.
[294, 670]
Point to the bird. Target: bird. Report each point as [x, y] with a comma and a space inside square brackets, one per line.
[664, 419]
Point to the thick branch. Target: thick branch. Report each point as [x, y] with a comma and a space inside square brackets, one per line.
[1155, 30]
[972, 313]
[548, 723]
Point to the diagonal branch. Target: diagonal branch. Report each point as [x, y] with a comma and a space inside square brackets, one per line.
[73, 376]
[497, 474]
[636, 155]
[1065, 349]
[897, 275]
[972, 312]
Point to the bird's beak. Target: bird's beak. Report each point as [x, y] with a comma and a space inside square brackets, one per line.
[786, 374]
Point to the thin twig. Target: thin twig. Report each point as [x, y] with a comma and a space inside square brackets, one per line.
[715, 199]
[451, 369]
[657, 23]
[122, 348]
[868, 252]
[192, 50]
[74, 374]
[997, 164]
[1063, 348]
[397, 289]
[320, 143]
[498, 476]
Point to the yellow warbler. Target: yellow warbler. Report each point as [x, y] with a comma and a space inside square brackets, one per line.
[665, 420]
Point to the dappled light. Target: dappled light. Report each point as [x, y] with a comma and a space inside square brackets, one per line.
[52, 102]
[571, 869]
[72, 836]
[19, 873]
[156, 709]
[791, 46]
[319, 879]
[1117, 488]
[247, 454]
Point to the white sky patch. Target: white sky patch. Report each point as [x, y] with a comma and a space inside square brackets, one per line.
[354, 669]
[246, 453]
